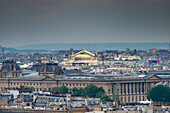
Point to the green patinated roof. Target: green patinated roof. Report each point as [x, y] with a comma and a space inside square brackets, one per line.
[83, 56]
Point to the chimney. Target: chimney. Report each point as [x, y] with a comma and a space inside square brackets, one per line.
[14, 63]
[22, 87]
[45, 67]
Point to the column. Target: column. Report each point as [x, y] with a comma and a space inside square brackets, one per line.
[145, 87]
[122, 88]
[130, 88]
[126, 88]
[119, 89]
[137, 88]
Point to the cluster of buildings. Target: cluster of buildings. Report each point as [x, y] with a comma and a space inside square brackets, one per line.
[23, 98]
[127, 74]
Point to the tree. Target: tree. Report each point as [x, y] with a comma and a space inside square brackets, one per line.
[31, 88]
[94, 91]
[61, 90]
[159, 93]
[75, 91]
[57, 89]
[114, 97]
[64, 90]
[106, 99]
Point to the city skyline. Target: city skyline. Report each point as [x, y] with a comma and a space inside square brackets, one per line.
[79, 21]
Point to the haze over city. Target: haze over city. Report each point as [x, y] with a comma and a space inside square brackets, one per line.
[25, 22]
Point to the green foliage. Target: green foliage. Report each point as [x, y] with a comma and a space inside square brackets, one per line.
[61, 90]
[159, 93]
[31, 88]
[114, 96]
[94, 91]
[77, 91]
[56, 89]
[106, 99]
[90, 91]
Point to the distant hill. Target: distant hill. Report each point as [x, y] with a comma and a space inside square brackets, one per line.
[13, 50]
[97, 46]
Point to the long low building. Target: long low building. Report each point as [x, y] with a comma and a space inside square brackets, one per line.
[128, 88]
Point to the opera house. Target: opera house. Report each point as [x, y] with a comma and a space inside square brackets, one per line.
[83, 58]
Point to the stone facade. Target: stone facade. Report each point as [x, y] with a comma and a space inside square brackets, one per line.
[128, 89]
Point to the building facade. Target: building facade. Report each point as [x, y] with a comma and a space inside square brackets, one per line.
[83, 58]
[127, 88]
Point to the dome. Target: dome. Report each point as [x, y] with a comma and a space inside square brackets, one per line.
[9, 65]
[83, 56]
[50, 67]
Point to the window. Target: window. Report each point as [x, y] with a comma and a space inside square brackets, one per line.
[128, 98]
[124, 88]
[143, 98]
[139, 98]
[143, 88]
[121, 99]
[108, 91]
[83, 84]
[73, 84]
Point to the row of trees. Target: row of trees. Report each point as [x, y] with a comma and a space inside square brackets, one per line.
[159, 94]
[90, 91]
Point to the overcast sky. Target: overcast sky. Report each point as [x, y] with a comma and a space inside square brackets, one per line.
[25, 22]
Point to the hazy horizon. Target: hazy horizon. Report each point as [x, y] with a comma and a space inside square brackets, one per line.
[96, 46]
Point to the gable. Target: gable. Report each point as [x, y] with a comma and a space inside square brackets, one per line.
[48, 78]
[85, 52]
[4, 70]
[154, 77]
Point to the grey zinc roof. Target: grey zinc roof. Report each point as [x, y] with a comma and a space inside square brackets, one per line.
[50, 67]
[9, 65]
